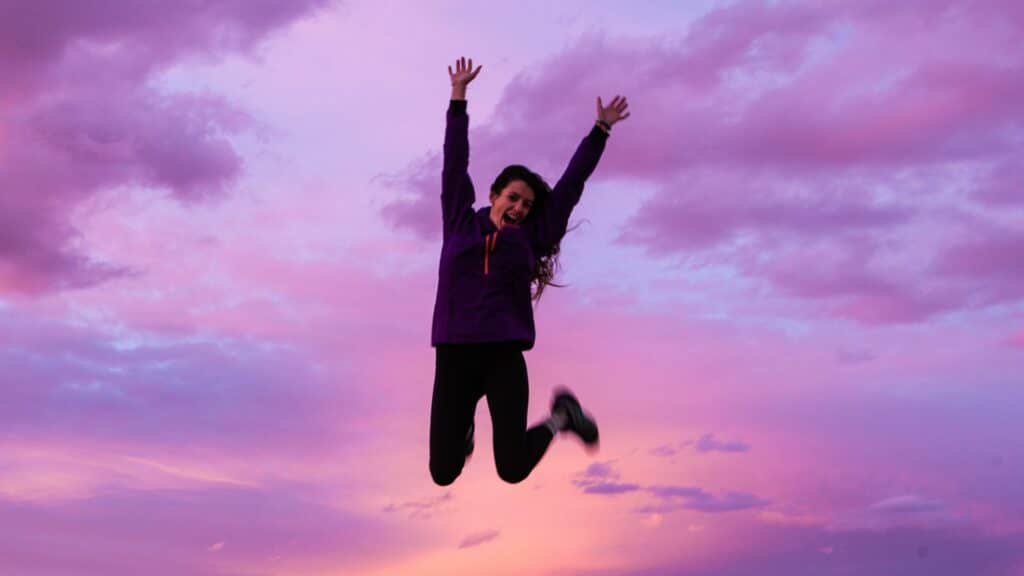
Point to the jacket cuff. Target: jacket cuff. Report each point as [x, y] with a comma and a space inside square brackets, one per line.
[457, 106]
[597, 133]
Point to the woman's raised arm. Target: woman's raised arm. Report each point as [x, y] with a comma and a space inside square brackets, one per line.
[457, 193]
[569, 188]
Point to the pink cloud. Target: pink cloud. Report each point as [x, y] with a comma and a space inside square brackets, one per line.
[989, 263]
[714, 209]
[1004, 185]
[79, 100]
[1017, 339]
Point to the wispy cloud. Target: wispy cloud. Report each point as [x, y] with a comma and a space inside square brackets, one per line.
[693, 498]
[478, 538]
[601, 479]
[421, 509]
[708, 443]
[908, 510]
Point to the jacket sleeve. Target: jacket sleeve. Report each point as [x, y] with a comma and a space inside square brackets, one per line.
[567, 191]
[457, 195]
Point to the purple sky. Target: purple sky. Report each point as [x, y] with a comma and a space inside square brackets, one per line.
[795, 297]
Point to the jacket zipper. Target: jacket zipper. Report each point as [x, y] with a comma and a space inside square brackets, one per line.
[489, 243]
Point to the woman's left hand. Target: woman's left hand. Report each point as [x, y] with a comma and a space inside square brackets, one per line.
[614, 112]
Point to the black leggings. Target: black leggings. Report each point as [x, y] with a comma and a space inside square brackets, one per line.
[464, 373]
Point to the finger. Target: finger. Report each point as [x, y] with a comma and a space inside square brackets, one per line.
[450, 73]
[624, 116]
[477, 71]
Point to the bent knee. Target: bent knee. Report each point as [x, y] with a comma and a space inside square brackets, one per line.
[512, 475]
[444, 475]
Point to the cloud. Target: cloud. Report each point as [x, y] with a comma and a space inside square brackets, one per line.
[80, 98]
[1017, 340]
[600, 479]
[987, 263]
[598, 471]
[609, 488]
[692, 498]
[422, 509]
[1003, 186]
[910, 510]
[664, 451]
[478, 538]
[707, 443]
[64, 381]
[910, 504]
[704, 444]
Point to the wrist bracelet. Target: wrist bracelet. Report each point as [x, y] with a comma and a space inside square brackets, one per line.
[604, 124]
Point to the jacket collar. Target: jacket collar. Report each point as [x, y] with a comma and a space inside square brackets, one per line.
[484, 218]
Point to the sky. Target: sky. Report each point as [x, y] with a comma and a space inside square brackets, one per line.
[794, 299]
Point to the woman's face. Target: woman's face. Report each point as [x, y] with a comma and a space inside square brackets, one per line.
[512, 205]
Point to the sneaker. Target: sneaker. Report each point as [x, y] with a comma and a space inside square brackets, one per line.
[469, 440]
[578, 421]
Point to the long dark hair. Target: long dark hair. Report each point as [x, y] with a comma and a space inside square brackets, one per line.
[546, 266]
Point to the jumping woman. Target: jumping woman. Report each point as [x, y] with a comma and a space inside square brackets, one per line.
[483, 315]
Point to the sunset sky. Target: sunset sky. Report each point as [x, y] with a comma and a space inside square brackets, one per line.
[794, 301]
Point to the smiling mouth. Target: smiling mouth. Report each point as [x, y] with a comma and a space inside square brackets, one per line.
[510, 220]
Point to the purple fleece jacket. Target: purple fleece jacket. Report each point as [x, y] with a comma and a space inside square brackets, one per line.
[483, 288]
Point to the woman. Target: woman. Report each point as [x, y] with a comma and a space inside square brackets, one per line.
[483, 318]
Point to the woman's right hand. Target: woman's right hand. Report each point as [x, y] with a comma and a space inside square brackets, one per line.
[464, 74]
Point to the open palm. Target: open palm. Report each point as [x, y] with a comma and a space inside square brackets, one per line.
[464, 73]
[614, 112]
